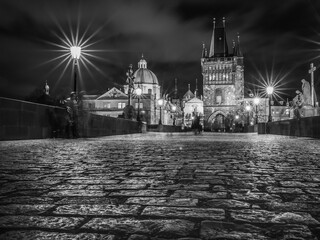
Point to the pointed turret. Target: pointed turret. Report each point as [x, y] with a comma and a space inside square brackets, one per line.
[204, 51]
[237, 51]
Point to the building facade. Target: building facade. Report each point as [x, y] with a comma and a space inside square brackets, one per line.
[113, 102]
[223, 79]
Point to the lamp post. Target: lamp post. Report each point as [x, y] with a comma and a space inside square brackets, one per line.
[256, 102]
[75, 53]
[174, 108]
[130, 81]
[138, 93]
[248, 109]
[160, 102]
[269, 92]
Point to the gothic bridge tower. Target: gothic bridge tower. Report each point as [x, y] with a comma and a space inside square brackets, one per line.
[223, 79]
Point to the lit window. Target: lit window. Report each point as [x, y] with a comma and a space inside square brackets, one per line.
[119, 105]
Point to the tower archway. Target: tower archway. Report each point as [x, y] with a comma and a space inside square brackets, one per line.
[217, 122]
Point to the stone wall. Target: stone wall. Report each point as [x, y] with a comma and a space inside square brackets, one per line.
[92, 125]
[303, 127]
[27, 120]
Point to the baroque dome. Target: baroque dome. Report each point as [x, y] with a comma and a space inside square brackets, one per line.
[143, 75]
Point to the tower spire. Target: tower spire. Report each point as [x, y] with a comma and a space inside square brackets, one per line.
[175, 88]
[237, 47]
[219, 46]
[211, 53]
[196, 91]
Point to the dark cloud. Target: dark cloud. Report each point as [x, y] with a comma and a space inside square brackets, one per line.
[169, 33]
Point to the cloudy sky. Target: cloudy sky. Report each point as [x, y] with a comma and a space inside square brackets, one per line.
[279, 37]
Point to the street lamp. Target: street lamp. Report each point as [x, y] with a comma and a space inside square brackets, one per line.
[160, 103]
[138, 93]
[248, 109]
[256, 102]
[75, 53]
[174, 108]
[269, 92]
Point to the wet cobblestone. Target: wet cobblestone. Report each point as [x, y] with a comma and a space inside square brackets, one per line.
[160, 187]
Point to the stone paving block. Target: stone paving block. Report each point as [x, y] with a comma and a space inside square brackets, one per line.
[163, 201]
[198, 194]
[20, 221]
[139, 193]
[252, 215]
[24, 209]
[69, 187]
[183, 212]
[124, 187]
[226, 204]
[192, 187]
[87, 200]
[26, 200]
[255, 196]
[97, 209]
[298, 184]
[279, 190]
[223, 230]
[41, 235]
[295, 218]
[138, 237]
[92, 181]
[74, 193]
[292, 206]
[153, 227]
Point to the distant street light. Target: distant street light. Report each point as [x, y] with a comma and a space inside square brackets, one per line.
[138, 93]
[256, 102]
[160, 103]
[269, 92]
[174, 108]
[75, 53]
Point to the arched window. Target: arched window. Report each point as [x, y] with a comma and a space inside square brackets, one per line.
[218, 96]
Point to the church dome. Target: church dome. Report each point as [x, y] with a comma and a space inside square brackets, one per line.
[143, 75]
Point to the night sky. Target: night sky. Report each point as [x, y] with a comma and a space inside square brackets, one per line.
[278, 38]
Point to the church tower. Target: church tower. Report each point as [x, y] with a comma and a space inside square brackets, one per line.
[223, 78]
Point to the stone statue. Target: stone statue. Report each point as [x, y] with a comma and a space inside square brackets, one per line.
[298, 100]
[306, 90]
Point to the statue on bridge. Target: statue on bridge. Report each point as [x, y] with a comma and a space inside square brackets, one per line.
[306, 90]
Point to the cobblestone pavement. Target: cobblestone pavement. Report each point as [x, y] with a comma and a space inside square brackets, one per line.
[161, 186]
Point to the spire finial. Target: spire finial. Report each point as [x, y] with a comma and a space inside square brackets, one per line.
[142, 55]
[214, 22]
[189, 86]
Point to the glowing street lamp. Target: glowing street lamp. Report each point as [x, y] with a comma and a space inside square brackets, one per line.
[160, 103]
[75, 54]
[138, 93]
[269, 92]
[256, 102]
